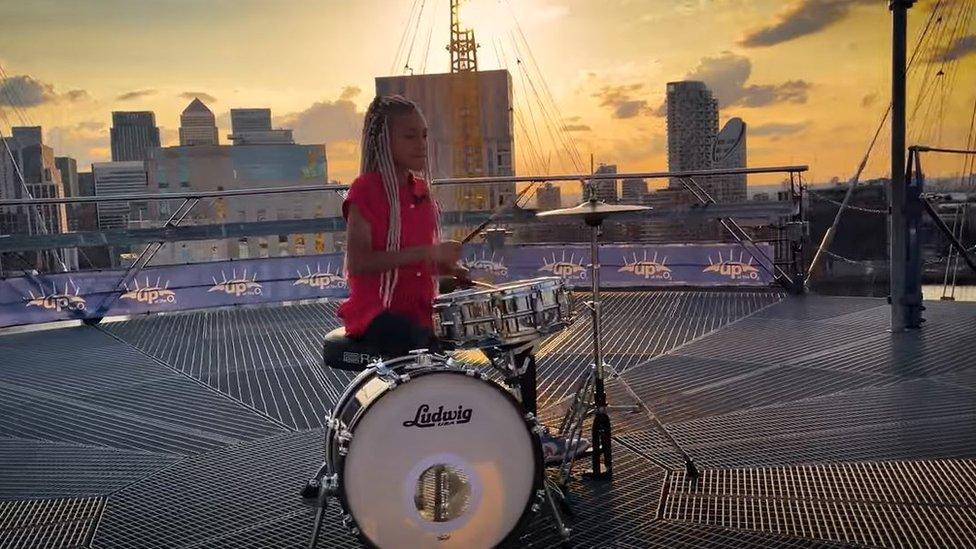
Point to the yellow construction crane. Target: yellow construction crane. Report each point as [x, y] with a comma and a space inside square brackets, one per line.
[467, 142]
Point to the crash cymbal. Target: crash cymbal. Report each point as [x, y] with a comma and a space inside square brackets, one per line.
[594, 210]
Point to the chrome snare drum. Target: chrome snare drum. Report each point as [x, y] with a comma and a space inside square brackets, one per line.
[505, 315]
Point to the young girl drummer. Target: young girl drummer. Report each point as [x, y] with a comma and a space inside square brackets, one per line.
[393, 252]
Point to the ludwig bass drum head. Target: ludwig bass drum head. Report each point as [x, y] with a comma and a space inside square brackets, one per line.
[445, 460]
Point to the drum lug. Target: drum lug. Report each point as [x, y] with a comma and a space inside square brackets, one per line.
[422, 356]
[343, 439]
[350, 524]
[331, 484]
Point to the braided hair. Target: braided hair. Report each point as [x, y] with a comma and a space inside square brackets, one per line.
[377, 156]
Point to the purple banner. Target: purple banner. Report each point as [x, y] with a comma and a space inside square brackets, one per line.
[626, 266]
[28, 300]
[46, 298]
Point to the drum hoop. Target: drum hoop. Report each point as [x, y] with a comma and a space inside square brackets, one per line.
[530, 422]
[359, 381]
[514, 287]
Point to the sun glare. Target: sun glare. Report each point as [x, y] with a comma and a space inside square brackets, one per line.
[488, 18]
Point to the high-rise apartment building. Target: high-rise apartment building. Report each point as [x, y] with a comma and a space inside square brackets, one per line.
[253, 127]
[133, 133]
[197, 125]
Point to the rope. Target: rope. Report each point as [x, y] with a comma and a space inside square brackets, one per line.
[816, 196]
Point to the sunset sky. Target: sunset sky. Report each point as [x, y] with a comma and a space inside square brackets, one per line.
[810, 77]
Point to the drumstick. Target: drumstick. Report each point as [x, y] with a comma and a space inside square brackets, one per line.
[495, 215]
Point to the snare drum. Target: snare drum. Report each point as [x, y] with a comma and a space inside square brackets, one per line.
[506, 315]
[423, 453]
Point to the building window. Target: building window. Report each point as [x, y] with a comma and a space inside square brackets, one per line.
[184, 184]
[163, 185]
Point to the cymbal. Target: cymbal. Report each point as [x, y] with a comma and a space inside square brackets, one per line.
[594, 209]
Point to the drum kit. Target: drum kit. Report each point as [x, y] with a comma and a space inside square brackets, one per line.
[426, 450]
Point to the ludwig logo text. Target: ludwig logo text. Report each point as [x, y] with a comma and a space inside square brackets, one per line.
[438, 418]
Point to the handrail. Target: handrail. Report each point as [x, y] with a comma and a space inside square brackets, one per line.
[146, 197]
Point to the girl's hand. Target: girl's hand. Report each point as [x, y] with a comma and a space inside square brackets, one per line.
[446, 253]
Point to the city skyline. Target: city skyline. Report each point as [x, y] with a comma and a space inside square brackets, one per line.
[810, 95]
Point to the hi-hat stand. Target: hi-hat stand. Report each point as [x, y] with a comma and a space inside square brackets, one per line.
[591, 398]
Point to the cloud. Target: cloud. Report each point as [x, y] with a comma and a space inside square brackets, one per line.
[170, 137]
[963, 46]
[86, 141]
[24, 91]
[778, 129]
[727, 76]
[324, 121]
[91, 125]
[202, 96]
[338, 124]
[576, 128]
[619, 100]
[801, 18]
[349, 92]
[136, 94]
[76, 95]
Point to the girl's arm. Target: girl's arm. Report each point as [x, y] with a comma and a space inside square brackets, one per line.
[362, 259]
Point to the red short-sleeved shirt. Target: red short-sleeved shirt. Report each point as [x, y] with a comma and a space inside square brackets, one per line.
[416, 286]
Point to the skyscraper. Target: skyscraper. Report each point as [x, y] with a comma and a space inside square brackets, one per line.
[26, 136]
[197, 125]
[692, 125]
[216, 168]
[69, 174]
[133, 133]
[253, 127]
[606, 189]
[548, 197]
[115, 178]
[250, 120]
[633, 190]
[463, 143]
[730, 152]
[28, 170]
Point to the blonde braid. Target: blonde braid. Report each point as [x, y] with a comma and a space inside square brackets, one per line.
[377, 155]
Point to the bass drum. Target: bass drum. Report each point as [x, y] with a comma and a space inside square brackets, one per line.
[427, 454]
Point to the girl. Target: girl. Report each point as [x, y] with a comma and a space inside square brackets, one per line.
[393, 253]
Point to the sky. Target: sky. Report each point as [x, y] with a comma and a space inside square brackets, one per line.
[809, 77]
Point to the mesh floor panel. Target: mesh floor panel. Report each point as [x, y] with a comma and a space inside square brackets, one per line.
[48, 523]
[813, 426]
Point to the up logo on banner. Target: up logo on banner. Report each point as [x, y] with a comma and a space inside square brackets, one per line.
[59, 300]
[734, 270]
[320, 279]
[485, 264]
[237, 285]
[570, 268]
[150, 294]
[648, 269]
